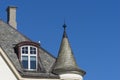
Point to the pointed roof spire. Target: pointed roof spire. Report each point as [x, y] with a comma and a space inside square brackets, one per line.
[65, 62]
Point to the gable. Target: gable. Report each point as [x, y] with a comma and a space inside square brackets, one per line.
[7, 70]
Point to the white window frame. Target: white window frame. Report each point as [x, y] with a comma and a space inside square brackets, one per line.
[29, 55]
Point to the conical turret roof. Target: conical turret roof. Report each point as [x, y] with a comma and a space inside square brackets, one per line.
[65, 62]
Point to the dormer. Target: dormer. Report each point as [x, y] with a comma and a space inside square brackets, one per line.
[28, 55]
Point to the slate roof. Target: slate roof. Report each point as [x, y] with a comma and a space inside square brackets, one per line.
[9, 38]
[65, 62]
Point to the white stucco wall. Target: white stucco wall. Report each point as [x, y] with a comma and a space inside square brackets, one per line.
[5, 72]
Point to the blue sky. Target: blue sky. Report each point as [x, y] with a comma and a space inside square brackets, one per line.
[93, 28]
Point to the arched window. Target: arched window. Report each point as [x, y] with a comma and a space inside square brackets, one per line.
[28, 55]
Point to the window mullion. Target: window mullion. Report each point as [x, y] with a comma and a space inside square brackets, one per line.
[36, 58]
[28, 57]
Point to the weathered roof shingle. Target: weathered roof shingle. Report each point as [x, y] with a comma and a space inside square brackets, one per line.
[9, 38]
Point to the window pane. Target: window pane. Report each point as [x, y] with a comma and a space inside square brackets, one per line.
[25, 62]
[33, 62]
[32, 50]
[24, 50]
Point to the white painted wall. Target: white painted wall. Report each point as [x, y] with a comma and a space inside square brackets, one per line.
[5, 72]
[69, 76]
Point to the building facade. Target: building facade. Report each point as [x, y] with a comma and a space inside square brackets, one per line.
[24, 59]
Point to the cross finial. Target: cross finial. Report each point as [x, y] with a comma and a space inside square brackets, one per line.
[64, 26]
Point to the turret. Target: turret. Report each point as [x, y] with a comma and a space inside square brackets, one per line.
[65, 64]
